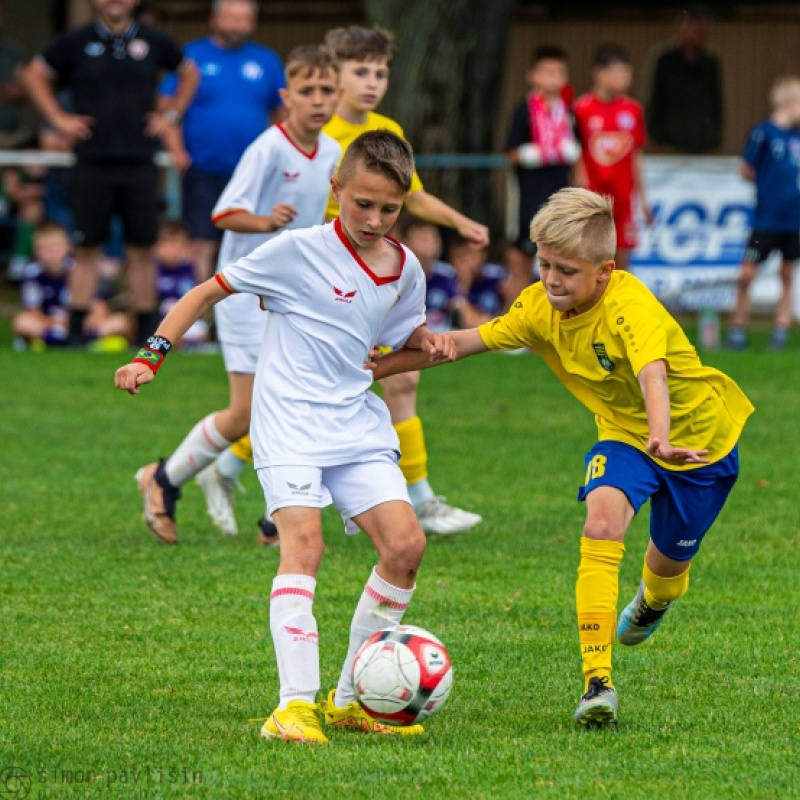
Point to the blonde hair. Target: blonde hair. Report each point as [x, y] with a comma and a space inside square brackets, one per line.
[577, 223]
[783, 90]
[308, 59]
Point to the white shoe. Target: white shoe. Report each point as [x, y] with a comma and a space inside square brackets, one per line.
[218, 491]
[436, 516]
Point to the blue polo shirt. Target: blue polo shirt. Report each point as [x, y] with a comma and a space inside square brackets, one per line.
[238, 90]
[774, 154]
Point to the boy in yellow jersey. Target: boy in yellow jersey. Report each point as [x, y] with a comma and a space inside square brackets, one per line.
[365, 56]
[668, 426]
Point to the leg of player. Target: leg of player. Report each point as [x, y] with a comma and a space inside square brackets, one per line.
[160, 482]
[737, 334]
[608, 515]
[400, 543]
[664, 580]
[783, 310]
[434, 514]
[294, 628]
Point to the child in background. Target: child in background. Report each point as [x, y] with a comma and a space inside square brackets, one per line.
[541, 145]
[611, 127]
[176, 274]
[771, 160]
[441, 293]
[482, 286]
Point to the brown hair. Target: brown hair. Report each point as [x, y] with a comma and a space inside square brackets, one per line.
[382, 152]
[49, 226]
[173, 227]
[361, 44]
[308, 59]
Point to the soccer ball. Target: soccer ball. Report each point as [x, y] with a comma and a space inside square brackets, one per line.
[402, 675]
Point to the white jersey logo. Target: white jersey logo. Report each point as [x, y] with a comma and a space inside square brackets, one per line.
[138, 49]
[210, 69]
[94, 49]
[252, 70]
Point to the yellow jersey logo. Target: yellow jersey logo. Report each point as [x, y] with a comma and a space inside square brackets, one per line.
[602, 356]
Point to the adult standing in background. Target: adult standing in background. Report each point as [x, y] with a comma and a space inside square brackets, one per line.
[12, 92]
[238, 98]
[683, 98]
[112, 68]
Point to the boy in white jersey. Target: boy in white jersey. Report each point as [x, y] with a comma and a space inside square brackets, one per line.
[281, 182]
[319, 434]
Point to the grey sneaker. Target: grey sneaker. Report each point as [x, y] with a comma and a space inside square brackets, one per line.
[598, 707]
[638, 620]
[437, 517]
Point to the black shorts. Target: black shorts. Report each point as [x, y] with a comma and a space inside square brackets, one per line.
[763, 243]
[201, 191]
[100, 190]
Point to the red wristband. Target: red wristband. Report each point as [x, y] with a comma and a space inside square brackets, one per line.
[153, 359]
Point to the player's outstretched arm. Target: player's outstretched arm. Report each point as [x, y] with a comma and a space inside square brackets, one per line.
[241, 221]
[463, 343]
[655, 390]
[182, 316]
[426, 206]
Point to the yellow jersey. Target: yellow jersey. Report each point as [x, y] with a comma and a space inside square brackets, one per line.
[344, 132]
[598, 355]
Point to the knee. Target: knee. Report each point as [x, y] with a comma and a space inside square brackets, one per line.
[404, 552]
[400, 385]
[604, 527]
[304, 556]
[240, 421]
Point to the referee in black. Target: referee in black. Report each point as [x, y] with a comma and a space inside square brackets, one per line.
[112, 68]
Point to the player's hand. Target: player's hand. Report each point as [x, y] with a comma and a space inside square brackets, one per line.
[282, 214]
[181, 159]
[130, 377]
[475, 233]
[373, 357]
[440, 347]
[675, 455]
[76, 127]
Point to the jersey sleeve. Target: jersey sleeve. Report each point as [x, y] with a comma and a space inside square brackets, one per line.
[407, 314]
[642, 334]
[245, 186]
[60, 55]
[519, 131]
[754, 147]
[170, 56]
[515, 328]
[639, 130]
[275, 67]
[31, 295]
[267, 272]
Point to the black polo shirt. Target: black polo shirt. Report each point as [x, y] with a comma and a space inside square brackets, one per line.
[113, 78]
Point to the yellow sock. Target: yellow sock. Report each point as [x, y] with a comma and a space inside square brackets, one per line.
[414, 456]
[242, 449]
[596, 598]
[660, 592]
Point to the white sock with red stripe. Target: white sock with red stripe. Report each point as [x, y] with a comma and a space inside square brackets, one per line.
[294, 634]
[201, 446]
[381, 606]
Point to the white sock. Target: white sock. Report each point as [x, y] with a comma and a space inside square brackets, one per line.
[201, 446]
[381, 606]
[419, 492]
[294, 634]
[229, 465]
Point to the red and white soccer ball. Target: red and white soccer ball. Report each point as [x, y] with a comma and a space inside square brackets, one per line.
[402, 675]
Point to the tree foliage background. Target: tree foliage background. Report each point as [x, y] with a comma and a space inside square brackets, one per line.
[445, 87]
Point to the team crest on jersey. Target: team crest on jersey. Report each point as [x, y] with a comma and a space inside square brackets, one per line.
[138, 49]
[344, 297]
[626, 120]
[602, 356]
[210, 68]
[252, 70]
[291, 177]
[595, 123]
[94, 49]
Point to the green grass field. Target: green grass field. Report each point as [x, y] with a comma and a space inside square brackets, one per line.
[131, 670]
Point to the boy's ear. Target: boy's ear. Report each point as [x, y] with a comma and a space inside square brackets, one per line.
[605, 270]
[284, 93]
[336, 188]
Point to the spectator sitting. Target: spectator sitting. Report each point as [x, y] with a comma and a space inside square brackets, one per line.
[176, 274]
[425, 242]
[482, 285]
[24, 191]
[683, 98]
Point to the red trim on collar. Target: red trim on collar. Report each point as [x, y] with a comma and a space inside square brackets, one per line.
[376, 279]
[296, 146]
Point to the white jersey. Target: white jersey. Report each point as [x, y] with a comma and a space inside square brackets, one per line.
[311, 404]
[272, 170]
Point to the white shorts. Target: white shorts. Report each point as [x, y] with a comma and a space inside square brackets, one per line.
[352, 488]
[240, 357]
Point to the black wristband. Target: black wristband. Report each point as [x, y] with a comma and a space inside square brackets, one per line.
[159, 344]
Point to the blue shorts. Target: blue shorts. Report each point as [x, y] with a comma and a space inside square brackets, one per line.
[683, 503]
[201, 191]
